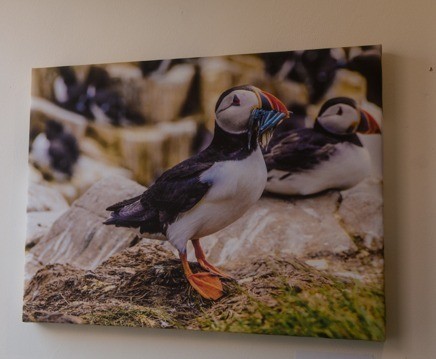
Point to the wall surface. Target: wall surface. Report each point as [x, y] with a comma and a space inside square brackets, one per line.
[49, 33]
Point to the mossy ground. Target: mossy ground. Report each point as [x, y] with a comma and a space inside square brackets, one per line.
[144, 286]
[331, 311]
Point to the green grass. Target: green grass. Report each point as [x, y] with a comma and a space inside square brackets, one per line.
[333, 311]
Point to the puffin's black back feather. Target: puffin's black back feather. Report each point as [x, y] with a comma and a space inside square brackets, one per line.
[302, 149]
[63, 150]
[119, 205]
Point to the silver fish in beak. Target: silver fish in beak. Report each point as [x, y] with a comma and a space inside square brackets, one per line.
[266, 118]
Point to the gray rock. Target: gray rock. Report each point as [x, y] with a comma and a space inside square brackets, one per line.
[361, 213]
[42, 198]
[303, 227]
[38, 224]
[44, 206]
[78, 237]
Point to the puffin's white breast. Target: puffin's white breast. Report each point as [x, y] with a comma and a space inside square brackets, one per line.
[39, 152]
[349, 165]
[60, 90]
[237, 185]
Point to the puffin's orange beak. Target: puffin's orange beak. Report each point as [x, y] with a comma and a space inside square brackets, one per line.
[270, 102]
[267, 116]
[368, 125]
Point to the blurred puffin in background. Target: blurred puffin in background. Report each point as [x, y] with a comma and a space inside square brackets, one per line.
[330, 155]
[321, 67]
[212, 189]
[96, 98]
[368, 63]
[70, 93]
[55, 152]
[316, 69]
[106, 104]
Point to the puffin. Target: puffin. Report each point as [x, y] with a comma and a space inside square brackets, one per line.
[106, 104]
[330, 155]
[96, 98]
[70, 93]
[321, 67]
[213, 188]
[55, 152]
[369, 65]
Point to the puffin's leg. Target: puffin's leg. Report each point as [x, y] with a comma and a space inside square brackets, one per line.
[206, 284]
[201, 259]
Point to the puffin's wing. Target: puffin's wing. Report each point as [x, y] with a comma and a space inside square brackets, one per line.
[119, 205]
[299, 150]
[178, 189]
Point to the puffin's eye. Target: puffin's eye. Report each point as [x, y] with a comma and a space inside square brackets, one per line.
[236, 101]
[339, 113]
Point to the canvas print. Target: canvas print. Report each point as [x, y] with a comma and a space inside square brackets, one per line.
[239, 193]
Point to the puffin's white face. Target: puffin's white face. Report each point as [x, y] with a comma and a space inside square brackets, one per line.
[340, 119]
[233, 113]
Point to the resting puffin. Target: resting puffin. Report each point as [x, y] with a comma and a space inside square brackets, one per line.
[212, 189]
[330, 155]
[96, 98]
[55, 152]
[70, 93]
[369, 65]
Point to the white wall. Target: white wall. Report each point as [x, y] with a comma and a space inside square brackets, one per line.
[49, 33]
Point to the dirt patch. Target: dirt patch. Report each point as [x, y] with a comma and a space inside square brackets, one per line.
[141, 286]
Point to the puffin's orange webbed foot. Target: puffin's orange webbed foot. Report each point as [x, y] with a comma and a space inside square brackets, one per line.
[201, 259]
[206, 284]
[212, 269]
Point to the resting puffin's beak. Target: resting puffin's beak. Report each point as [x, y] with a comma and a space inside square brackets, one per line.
[368, 125]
